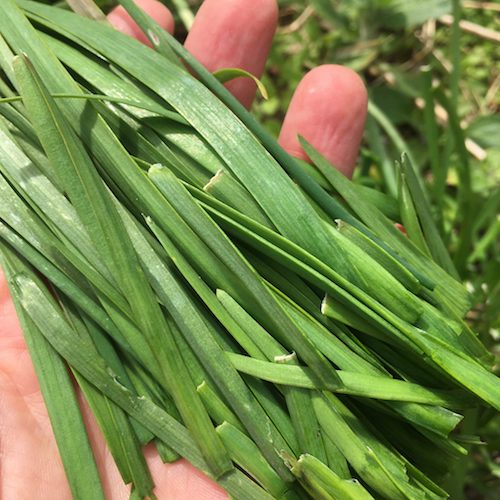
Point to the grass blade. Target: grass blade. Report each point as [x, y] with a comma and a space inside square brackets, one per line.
[409, 216]
[212, 357]
[420, 201]
[263, 305]
[246, 454]
[324, 484]
[375, 463]
[446, 290]
[356, 384]
[114, 423]
[155, 33]
[58, 393]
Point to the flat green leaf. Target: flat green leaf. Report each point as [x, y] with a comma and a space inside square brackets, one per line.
[409, 216]
[218, 410]
[246, 454]
[356, 384]
[226, 189]
[323, 483]
[114, 423]
[421, 203]
[58, 393]
[465, 370]
[380, 255]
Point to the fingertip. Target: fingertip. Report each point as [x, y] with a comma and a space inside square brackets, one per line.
[234, 34]
[329, 109]
[122, 21]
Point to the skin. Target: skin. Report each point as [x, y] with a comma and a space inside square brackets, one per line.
[328, 108]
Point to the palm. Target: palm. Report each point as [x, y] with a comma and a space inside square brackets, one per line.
[31, 467]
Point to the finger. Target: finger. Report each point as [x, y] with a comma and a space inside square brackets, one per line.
[329, 109]
[121, 20]
[234, 34]
[180, 480]
[31, 467]
[15, 362]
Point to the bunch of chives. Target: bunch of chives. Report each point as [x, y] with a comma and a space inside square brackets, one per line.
[211, 294]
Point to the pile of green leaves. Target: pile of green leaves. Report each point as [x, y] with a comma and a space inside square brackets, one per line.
[253, 314]
[412, 63]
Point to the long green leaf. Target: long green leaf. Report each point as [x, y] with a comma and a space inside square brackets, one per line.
[356, 384]
[190, 322]
[261, 301]
[447, 288]
[58, 393]
[114, 423]
[422, 206]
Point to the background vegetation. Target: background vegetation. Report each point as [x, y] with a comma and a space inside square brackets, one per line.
[432, 68]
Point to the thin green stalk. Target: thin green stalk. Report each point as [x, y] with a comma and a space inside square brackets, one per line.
[390, 130]
[409, 216]
[424, 212]
[376, 464]
[439, 170]
[465, 214]
[455, 55]
[218, 410]
[376, 143]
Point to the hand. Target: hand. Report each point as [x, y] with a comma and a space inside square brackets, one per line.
[328, 108]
